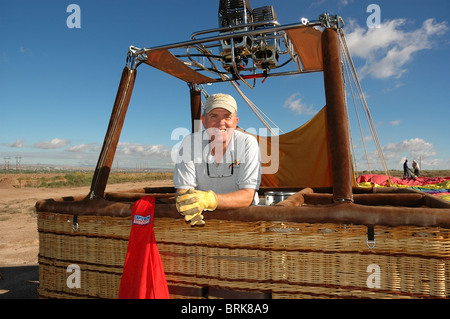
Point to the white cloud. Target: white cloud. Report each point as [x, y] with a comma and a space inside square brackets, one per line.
[143, 150]
[54, 143]
[26, 51]
[18, 144]
[387, 50]
[413, 149]
[91, 147]
[343, 3]
[294, 102]
[395, 122]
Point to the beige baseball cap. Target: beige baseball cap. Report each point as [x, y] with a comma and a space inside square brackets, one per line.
[222, 100]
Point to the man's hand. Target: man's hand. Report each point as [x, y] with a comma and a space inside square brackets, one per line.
[192, 203]
[196, 219]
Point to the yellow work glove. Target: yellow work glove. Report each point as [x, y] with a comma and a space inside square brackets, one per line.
[178, 200]
[196, 219]
[192, 203]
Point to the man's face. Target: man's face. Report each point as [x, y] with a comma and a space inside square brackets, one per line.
[220, 124]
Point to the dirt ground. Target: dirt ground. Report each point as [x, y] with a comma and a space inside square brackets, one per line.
[19, 240]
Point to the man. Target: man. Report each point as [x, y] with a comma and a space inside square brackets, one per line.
[218, 168]
[416, 168]
[406, 172]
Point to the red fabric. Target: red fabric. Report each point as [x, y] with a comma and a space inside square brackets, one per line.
[418, 181]
[143, 274]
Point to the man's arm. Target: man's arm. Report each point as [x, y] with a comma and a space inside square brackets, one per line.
[241, 198]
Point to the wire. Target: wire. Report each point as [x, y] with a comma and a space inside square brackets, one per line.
[264, 119]
[348, 59]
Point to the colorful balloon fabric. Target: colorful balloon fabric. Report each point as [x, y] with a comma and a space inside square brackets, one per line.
[437, 186]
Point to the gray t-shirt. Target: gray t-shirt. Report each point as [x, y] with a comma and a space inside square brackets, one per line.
[240, 166]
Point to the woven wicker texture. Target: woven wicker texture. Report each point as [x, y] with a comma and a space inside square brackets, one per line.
[256, 259]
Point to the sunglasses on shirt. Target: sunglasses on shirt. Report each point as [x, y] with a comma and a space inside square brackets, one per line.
[230, 173]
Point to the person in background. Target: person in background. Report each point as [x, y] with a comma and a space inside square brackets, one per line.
[406, 172]
[416, 168]
[218, 168]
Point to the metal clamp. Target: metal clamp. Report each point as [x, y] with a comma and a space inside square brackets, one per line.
[371, 241]
[132, 57]
[331, 21]
[75, 223]
[343, 200]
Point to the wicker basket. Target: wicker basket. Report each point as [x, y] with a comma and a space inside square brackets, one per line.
[97, 244]
[241, 259]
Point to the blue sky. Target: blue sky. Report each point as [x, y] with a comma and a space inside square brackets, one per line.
[58, 84]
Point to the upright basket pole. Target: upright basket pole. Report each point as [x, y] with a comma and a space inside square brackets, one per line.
[112, 136]
[337, 118]
[196, 108]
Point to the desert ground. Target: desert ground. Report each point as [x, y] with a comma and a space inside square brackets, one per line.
[19, 244]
